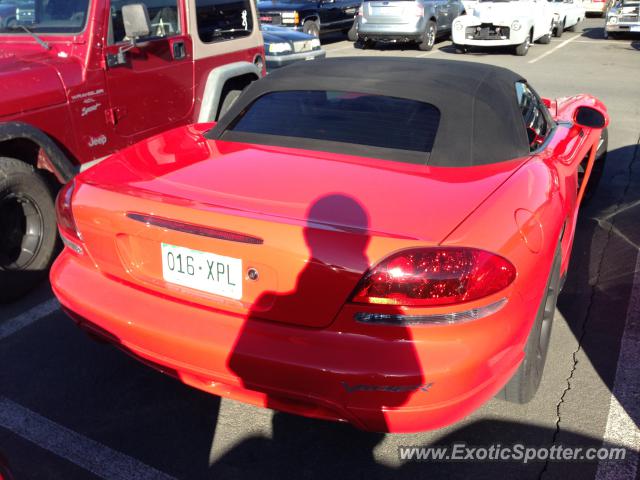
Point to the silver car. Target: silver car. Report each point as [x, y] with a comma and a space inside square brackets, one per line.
[623, 16]
[418, 21]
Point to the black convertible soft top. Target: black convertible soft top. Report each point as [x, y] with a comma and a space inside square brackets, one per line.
[480, 121]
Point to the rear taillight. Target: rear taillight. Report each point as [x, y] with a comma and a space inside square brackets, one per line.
[360, 13]
[66, 222]
[418, 10]
[434, 276]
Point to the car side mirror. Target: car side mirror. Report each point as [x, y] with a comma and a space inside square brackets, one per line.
[135, 18]
[589, 117]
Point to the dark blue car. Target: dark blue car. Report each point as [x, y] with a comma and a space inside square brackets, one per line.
[310, 16]
[283, 46]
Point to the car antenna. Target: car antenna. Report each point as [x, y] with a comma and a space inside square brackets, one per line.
[44, 44]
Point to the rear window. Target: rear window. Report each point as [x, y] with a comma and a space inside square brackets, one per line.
[344, 117]
[220, 20]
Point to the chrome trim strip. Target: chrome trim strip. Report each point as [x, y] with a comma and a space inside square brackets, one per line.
[210, 232]
[436, 319]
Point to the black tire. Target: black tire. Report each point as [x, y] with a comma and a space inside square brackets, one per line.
[428, 39]
[311, 27]
[525, 382]
[364, 44]
[28, 231]
[597, 170]
[559, 30]
[352, 33]
[546, 39]
[230, 97]
[461, 49]
[522, 49]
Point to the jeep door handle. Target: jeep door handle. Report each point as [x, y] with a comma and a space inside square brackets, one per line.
[178, 50]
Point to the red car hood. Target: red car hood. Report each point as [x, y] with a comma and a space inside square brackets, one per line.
[402, 200]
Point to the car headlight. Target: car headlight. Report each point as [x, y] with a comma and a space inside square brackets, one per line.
[315, 43]
[515, 26]
[612, 19]
[457, 25]
[279, 47]
[290, 17]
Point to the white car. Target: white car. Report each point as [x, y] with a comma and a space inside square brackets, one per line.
[597, 7]
[568, 13]
[499, 23]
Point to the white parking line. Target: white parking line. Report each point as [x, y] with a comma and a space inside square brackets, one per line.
[621, 429]
[11, 326]
[557, 47]
[425, 54]
[78, 449]
[331, 50]
[601, 41]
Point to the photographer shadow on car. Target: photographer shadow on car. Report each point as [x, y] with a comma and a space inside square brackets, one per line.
[324, 382]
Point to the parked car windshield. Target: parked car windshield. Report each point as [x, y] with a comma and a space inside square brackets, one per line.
[47, 16]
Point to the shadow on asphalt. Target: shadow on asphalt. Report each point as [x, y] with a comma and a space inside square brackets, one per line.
[596, 295]
[304, 448]
[481, 51]
[593, 33]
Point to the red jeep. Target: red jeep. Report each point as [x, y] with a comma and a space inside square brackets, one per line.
[80, 79]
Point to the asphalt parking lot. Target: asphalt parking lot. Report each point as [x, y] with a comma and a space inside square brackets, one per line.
[71, 408]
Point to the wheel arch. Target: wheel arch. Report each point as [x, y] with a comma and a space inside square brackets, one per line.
[242, 73]
[31, 145]
[312, 17]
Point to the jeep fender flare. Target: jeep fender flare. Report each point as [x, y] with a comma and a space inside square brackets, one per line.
[215, 83]
[51, 157]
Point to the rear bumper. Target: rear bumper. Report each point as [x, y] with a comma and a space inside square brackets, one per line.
[277, 61]
[391, 31]
[623, 27]
[599, 7]
[429, 378]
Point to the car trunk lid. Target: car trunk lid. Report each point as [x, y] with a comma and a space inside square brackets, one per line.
[309, 224]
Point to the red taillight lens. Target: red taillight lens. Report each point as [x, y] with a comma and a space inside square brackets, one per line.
[435, 276]
[66, 223]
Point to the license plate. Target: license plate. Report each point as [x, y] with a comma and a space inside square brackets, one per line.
[266, 19]
[635, 28]
[203, 271]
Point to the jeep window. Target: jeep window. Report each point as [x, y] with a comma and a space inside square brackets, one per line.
[347, 118]
[223, 19]
[48, 16]
[163, 15]
[536, 118]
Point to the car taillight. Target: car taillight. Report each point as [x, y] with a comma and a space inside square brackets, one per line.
[360, 13]
[424, 277]
[418, 10]
[66, 223]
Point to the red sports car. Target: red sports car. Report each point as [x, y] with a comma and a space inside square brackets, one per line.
[373, 240]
